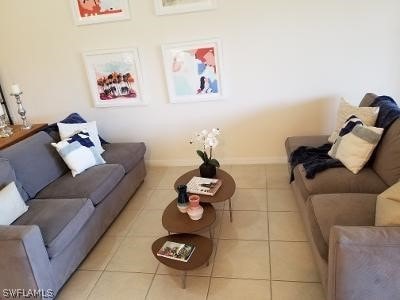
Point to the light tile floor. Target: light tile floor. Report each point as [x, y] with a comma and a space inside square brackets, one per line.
[263, 254]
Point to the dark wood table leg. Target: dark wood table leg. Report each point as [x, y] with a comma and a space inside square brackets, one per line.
[230, 209]
[184, 280]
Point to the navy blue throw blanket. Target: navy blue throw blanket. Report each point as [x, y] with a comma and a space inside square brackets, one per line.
[388, 111]
[316, 159]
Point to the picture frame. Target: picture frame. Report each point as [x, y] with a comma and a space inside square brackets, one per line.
[167, 7]
[193, 70]
[115, 77]
[99, 11]
[3, 103]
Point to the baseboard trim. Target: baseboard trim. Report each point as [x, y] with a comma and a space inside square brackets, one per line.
[227, 161]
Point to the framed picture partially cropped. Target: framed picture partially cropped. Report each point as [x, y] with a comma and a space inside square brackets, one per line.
[4, 109]
[165, 7]
[115, 77]
[193, 71]
[99, 11]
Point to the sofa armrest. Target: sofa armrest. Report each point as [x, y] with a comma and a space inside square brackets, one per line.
[24, 262]
[364, 263]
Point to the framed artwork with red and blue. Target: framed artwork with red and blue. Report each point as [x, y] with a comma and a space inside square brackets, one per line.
[193, 70]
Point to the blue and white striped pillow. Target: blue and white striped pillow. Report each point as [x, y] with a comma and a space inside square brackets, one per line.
[355, 144]
[79, 152]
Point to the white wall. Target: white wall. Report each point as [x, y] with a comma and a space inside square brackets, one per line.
[286, 63]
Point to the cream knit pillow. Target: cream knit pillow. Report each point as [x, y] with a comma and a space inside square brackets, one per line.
[388, 207]
[367, 115]
[355, 144]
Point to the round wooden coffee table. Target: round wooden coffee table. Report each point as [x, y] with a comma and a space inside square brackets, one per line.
[224, 193]
[200, 256]
[176, 222]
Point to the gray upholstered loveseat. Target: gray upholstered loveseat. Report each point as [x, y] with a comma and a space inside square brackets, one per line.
[356, 260]
[66, 215]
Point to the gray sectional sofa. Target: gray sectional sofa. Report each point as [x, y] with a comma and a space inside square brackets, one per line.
[66, 215]
[356, 260]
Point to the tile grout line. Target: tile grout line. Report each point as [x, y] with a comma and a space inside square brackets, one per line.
[243, 278]
[216, 251]
[269, 235]
[116, 250]
[152, 281]
[296, 281]
[124, 237]
[94, 286]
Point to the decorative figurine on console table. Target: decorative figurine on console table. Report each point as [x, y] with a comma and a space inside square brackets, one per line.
[16, 92]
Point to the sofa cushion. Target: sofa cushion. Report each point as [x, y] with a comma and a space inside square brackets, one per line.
[338, 180]
[294, 142]
[94, 183]
[59, 220]
[35, 162]
[387, 155]
[7, 175]
[125, 154]
[325, 211]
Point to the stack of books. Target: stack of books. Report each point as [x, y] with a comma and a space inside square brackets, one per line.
[176, 251]
[203, 186]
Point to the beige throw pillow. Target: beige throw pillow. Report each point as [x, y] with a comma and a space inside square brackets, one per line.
[388, 207]
[355, 144]
[367, 115]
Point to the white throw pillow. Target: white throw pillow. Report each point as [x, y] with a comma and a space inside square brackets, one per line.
[67, 130]
[12, 206]
[355, 144]
[388, 207]
[367, 115]
[78, 152]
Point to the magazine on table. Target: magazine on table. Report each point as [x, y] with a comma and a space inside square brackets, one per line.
[176, 251]
[203, 186]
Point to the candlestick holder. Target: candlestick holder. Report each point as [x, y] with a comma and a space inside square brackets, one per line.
[22, 111]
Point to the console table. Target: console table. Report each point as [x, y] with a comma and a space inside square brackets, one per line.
[20, 134]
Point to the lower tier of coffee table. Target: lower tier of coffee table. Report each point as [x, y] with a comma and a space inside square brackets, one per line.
[200, 256]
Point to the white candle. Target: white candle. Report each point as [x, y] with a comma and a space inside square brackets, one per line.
[1, 110]
[15, 89]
